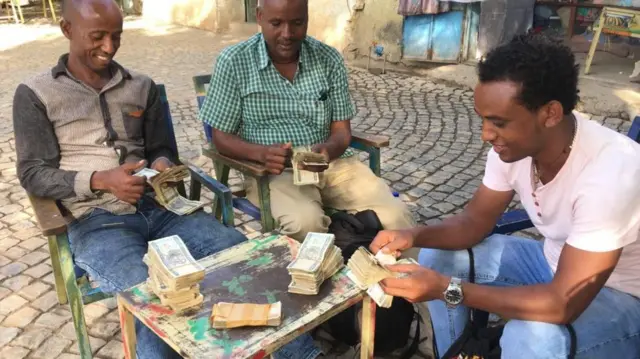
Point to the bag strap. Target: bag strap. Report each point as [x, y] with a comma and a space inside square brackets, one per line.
[413, 348]
[574, 341]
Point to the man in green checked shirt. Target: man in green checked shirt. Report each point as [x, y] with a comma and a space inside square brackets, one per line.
[281, 89]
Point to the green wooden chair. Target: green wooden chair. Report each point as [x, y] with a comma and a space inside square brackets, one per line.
[72, 283]
[223, 164]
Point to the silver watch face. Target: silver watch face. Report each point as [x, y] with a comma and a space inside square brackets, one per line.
[453, 296]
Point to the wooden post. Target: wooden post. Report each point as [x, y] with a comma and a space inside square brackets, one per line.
[74, 296]
[264, 193]
[57, 271]
[53, 11]
[15, 13]
[368, 329]
[572, 19]
[594, 41]
[128, 329]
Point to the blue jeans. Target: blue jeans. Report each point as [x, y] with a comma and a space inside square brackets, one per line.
[110, 248]
[608, 328]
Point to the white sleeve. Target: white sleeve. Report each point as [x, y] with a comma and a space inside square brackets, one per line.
[606, 204]
[495, 173]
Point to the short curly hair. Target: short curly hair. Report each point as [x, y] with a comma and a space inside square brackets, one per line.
[545, 69]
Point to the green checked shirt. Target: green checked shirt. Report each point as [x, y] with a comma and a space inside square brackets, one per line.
[248, 96]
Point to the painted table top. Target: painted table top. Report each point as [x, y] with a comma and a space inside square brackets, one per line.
[251, 272]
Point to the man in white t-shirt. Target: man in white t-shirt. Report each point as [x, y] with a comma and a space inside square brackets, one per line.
[580, 184]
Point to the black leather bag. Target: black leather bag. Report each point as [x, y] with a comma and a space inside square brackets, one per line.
[392, 324]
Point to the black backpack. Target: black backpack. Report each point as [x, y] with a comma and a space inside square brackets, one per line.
[480, 341]
[392, 324]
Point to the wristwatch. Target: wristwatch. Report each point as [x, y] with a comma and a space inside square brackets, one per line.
[453, 294]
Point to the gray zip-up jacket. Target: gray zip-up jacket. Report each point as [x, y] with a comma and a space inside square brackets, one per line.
[65, 131]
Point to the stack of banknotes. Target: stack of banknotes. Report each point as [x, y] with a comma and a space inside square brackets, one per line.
[174, 276]
[317, 260]
[234, 315]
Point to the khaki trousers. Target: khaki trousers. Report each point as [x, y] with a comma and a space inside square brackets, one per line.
[347, 185]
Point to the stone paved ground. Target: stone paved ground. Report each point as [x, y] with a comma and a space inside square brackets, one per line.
[436, 160]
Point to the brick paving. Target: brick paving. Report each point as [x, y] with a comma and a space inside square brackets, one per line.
[435, 161]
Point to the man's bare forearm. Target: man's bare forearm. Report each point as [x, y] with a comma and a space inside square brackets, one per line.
[233, 146]
[469, 227]
[538, 302]
[337, 143]
[454, 233]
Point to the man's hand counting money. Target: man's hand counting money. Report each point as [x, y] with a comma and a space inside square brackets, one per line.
[274, 157]
[392, 242]
[415, 283]
[120, 182]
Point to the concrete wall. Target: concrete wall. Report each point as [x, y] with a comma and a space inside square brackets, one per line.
[348, 25]
[352, 26]
[329, 21]
[378, 21]
[212, 15]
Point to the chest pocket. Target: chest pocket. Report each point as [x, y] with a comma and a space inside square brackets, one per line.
[270, 101]
[133, 119]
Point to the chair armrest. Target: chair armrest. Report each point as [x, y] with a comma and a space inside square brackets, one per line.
[513, 221]
[222, 192]
[369, 140]
[48, 215]
[211, 183]
[247, 167]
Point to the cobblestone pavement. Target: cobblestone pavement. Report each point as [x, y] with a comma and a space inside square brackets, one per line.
[435, 160]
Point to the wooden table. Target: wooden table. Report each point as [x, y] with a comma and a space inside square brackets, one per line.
[254, 271]
[606, 13]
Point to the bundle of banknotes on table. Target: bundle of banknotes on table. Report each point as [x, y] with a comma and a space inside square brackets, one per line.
[303, 156]
[234, 315]
[367, 270]
[318, 259]
[165, 186]
[174, 276]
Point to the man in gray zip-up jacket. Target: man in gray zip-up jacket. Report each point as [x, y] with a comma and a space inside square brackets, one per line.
[81, 129]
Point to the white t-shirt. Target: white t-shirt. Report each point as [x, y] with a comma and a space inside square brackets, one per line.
[593, 203]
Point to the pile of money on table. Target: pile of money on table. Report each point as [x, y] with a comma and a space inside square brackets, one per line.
[303, 155]
[317, 260]
[174, 275]
[234, 315]
[367, 270]
[165, 186]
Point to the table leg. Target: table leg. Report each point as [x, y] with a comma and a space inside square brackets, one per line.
[368, 328]
[594, 42]
[128, 329]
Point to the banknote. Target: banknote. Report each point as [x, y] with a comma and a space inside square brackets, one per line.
[302, 177]
[312, 252]
[182, 206]
[148, 173]
[174, 256]
[378, 295]
[385, 258]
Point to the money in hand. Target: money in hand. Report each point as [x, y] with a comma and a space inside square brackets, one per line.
[367, 270]
[303, 177]
[167, 195]
[318, 259]
[174, 275]
[148, 173]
